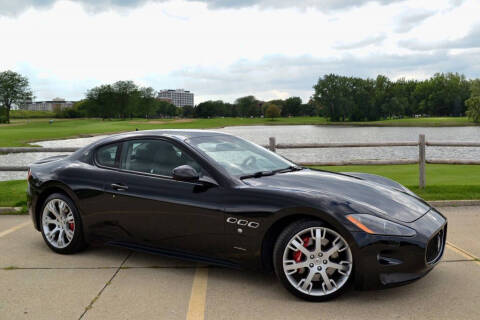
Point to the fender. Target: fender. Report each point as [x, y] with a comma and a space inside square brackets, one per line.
[41, 192]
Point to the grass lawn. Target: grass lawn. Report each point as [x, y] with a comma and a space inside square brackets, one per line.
[22, 132]
[13, 194]
[444, 182]
[415, 122]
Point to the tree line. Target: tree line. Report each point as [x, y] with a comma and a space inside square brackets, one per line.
[124, 99]
[250, 106]
[336, 97]
[121, 100]
[356, 99]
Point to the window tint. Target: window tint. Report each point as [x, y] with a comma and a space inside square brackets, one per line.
[155, 157]
[106, 155]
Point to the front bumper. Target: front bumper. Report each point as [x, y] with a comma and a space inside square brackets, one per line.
[388, 261]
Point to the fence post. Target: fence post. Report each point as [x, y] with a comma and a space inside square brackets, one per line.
[421, 161]
[272, 144]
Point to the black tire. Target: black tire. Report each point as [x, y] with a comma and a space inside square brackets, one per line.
[282, 241]
[77, 243]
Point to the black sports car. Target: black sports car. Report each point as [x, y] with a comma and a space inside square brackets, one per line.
[219, 199]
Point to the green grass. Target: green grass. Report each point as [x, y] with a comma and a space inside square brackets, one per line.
[444, 182]
[415, 122]
[22, 132]
[13, 194]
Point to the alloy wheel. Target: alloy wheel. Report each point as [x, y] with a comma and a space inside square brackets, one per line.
[317, 261]
[58, 223]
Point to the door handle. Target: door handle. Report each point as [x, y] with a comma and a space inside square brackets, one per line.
[119, 187]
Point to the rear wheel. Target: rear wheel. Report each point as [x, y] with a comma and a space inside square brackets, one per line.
[60, 224]
[313, 261]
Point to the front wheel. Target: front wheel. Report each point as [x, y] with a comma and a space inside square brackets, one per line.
[60, 224]
[313, 261]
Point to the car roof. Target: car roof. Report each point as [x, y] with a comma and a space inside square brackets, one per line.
[179, 134]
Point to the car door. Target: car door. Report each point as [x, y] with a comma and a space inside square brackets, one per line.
[153, 209]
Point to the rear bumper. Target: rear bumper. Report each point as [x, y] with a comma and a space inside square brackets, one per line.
[32, 199]
[386, 261]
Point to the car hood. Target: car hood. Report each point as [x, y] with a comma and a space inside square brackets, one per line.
[371, 194]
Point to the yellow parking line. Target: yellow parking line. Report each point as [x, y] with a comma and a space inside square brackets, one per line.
[463, 252]
[15, 228]
[196, 306]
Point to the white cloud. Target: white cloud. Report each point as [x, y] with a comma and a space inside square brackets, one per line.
[226, 52]
[9, 7]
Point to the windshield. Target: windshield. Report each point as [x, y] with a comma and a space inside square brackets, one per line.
[239, 157]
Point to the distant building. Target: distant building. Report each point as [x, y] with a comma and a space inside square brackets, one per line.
[53, 105]
[179, 97]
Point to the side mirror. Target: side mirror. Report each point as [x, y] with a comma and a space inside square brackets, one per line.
[185, 173]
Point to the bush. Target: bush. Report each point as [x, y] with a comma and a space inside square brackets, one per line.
[24, 114]
[272, 111]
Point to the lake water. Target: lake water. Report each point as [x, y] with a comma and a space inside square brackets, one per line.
[312, 134]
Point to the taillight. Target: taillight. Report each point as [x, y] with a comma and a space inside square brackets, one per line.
[29, 174]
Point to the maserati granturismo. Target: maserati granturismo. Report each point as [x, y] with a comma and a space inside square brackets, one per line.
[219, 199]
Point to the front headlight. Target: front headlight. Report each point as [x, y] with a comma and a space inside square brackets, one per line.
[375, 225]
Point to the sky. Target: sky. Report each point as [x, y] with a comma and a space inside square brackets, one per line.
[225, 49]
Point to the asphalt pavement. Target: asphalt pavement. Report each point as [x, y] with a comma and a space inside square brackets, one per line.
[112, 283]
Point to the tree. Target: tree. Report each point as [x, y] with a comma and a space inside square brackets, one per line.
[475, 88]
[383, 95]
[336, 94]
[211, 109]
[248, 106]
[100, 102]
[14, 89]
[272, 111]
[292, 107]
[443, 94]
[328, 92]
[187, 112]
[165, 109]
[473, 111]
[308, 109]
[127, 97]
[146, 102]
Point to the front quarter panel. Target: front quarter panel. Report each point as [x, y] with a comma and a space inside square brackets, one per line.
[269, 208]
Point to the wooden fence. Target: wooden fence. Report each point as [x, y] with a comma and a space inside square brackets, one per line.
[422, 160]
[273, 146]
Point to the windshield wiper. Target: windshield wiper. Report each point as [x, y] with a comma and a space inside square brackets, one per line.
[289, 169]
[258, 174]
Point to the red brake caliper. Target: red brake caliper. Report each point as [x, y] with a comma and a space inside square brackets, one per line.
[71, 225]
[297, 255]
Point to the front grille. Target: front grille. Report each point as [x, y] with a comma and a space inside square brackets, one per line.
[435, 247]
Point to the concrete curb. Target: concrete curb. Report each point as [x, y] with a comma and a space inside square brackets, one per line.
[10, 210]
[454, 203]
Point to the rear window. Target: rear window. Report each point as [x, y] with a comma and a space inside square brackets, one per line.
[106, 156]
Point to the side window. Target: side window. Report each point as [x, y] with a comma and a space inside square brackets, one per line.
[155, 157]
[106, 155]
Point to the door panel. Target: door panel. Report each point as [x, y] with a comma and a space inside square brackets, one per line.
[167, 213]
[153, 209]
